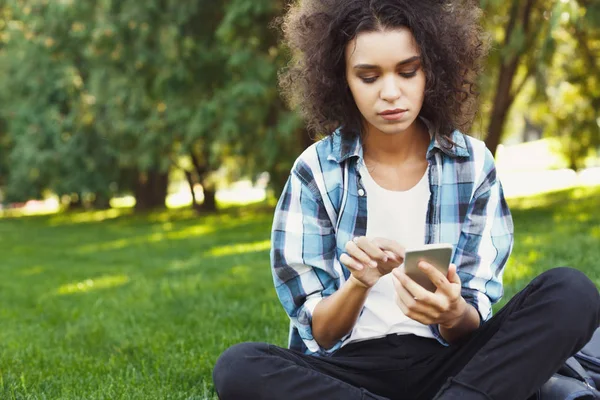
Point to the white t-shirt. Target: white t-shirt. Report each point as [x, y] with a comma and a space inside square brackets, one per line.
[400, 216]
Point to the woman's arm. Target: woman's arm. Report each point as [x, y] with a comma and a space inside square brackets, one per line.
[467, 323]
[306, 269]
[461, 304]
[485, 243]
[368, 259]
[335, 316]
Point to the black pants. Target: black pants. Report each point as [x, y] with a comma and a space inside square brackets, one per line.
[507, 358]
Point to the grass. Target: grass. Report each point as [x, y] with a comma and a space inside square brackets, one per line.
[106, 305]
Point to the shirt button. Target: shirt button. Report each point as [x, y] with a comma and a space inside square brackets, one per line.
[361, 192]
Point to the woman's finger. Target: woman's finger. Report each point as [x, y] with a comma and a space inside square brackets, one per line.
[351, 263]
[453, 274]
[404, 295]
[355, 252]
[372, 250]
[390, 245]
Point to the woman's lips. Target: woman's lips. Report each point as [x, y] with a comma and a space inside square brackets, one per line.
[393, 116]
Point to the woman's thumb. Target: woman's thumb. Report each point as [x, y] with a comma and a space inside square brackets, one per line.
[453, 275]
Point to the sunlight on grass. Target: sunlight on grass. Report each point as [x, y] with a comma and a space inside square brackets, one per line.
[532, 257]
[32, 271]
[153, 238]
[180, 265]
[581, 217]
[240, 194]
[87, 216]
[192, 231]
[546, 199]
[240, 248]
[113, 245]
[236, 275]
[241, 271]
[122, 202]
[516, 271]
[89, 285]
[530, 240]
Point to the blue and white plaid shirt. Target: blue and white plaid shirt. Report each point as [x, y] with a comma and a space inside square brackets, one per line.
[324, 205]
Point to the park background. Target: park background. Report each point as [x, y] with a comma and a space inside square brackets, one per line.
[143, 145]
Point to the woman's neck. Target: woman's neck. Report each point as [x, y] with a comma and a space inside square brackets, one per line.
[395, 150]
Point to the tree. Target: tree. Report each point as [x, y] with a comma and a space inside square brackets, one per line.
[54, 145]
[567, 100]
[104, 97]
[520, 32]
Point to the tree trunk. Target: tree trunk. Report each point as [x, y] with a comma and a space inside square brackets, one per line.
[210, 201]
[504, 94]
[190, 181]
[101, 202]
[151, 190]
[76, 202]
[573, 164]
[203, 170]
[502, 102]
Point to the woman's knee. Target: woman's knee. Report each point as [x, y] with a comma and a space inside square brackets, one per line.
[235, 371]
[571, 279]
[577, 295]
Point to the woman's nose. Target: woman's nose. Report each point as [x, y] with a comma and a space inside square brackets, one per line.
[390, 90]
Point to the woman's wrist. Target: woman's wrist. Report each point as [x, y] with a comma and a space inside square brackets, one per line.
[358, 284]
[461, 326]
[462, 312]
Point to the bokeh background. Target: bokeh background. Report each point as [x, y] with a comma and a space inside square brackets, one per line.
[143, 145]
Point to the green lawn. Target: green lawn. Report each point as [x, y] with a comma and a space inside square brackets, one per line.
[105, 305]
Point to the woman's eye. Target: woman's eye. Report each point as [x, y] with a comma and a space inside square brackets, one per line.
[409, 74]
[369, 80]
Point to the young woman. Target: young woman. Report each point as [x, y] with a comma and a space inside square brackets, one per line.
[393, 81]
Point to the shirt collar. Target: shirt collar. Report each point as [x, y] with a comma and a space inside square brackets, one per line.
[455, 147]
[346, 146]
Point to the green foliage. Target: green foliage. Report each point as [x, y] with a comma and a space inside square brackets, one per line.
[556, 82]
[96, 95]
[95, 90]
[49, 110]
[568, 98]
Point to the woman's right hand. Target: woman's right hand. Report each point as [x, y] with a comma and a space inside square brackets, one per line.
[370, 259]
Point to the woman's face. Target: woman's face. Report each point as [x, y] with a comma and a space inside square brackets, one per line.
[384, 73]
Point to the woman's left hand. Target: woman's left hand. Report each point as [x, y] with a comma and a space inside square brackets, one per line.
[445, 307]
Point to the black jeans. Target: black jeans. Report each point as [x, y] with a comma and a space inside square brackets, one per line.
[507, 358]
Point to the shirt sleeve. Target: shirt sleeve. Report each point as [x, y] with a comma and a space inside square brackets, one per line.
[303, 251]
[485, 243]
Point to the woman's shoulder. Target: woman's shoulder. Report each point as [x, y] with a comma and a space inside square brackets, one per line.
[474, 150]
[314, 163]
[478, 165]
[475, 147]
[327, 153]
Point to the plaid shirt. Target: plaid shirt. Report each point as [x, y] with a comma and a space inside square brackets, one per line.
[324, 205]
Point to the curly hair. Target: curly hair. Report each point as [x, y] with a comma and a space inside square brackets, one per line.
[451, 41]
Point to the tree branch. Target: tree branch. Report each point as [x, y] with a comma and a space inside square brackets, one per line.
[532, 66]
[591, 60]
[514, 12]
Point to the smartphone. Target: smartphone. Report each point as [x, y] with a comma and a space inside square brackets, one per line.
[439, 255]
